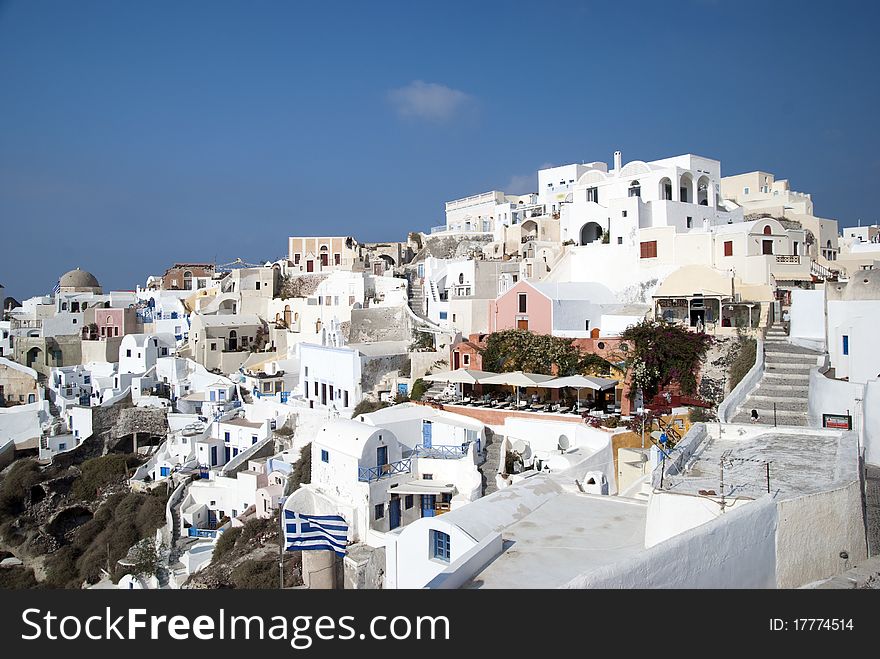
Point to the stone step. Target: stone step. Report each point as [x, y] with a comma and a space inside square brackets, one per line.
[784, 354]
[783, 365]
[769, 398]
[784, 346]
[745, 418]
[783, 417]
[763, 404]
[777, 376]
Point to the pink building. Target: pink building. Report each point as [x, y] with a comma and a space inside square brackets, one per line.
[560, 309]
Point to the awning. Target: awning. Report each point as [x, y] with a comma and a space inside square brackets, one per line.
[422, 487]
[581, 382]
[459, 376]
[518, 379]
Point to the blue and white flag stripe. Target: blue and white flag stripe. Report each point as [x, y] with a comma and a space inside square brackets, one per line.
[57, 288]
[305, 532]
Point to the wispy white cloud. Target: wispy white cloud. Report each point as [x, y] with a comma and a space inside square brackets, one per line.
[428, 100]
[520, 184]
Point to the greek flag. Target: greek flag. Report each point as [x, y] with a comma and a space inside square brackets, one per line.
[304, 532]
[57, 289]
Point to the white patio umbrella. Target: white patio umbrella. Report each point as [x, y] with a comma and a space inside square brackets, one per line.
[518, 379]
[581, 382]
[459, 376]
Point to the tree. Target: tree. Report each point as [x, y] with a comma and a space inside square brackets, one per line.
[147, 558]
[521, 350]
[663, 353]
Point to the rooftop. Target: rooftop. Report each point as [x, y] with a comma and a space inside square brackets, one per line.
[802, 460]
[568, 535]
[243, 423]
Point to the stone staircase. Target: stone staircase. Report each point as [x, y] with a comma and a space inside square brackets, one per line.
[489, 468]
[417, 297]
[785, 383]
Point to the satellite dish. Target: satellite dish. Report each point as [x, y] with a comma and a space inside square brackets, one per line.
[564, 443]
[519, 446]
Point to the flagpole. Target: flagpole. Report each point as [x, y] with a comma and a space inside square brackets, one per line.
[281, 548]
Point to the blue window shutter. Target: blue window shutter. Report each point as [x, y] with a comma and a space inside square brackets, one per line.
[845, 344]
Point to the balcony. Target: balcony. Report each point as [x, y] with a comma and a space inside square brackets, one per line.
[782, 258]
[441, 452]
[372, 474]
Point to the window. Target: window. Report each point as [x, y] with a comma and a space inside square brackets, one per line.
[213, 346]
[467, 359]
[325, 456]
[745, 190]
[128, 353]
[690, 222]
[453, 318]
[226, 436]
[635, 189]
[766, 247]
[620, 240]
[460, 277]
[587, 325]
[728, 248]
[515, 278]
[648, 249]
[296, 259]
[593, 194]
[522, 302]
[845, 344]
[440, 545]
[428, 477]
[623, 214]
[443, 315]
[337, 259]
[380, 511]
[253, 439]
[62, 446]
[408, 502]
[768, 231]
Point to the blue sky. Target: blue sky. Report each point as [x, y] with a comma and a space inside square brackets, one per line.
[136, 134]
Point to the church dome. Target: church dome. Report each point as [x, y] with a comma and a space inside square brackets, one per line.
[77, 280]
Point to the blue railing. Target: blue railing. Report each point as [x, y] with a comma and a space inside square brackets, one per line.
[193, 532]
[441, 452]
[369, 474]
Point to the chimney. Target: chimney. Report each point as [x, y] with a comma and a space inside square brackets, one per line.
[617, 160]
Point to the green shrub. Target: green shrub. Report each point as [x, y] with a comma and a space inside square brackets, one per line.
[97, 473]
[700, 415]
[18, 578]
[302, 470]
[226, 543]
[419, 388]
[744, 353]
[366, 406]
[255, 574]
[17, 482]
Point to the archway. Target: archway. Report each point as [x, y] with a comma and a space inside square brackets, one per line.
[287, 315]
[665, 189]
[703, 191]
[686, 188]
[635, 189]
[187, 280]
[34, 356]
[233, 340]
[590, 232]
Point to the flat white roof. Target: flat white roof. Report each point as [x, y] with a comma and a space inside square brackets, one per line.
[567, 536]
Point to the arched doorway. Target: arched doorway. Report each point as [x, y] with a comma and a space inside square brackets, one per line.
[665, 189]
[590, 232]
[233, 340]
[686, 188]
[34, 356]
[287, 315]
[703, 191]
[635, 189]
[187, 280]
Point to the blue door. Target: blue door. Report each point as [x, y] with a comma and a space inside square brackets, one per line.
[163, 471]
[382, 456]
[213, 456]
[394, 514]
[227, 454]
[426, 434]
[428, 501]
